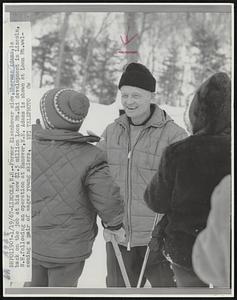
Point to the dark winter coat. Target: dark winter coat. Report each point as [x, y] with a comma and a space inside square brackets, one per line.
[189, 171]
[71, 184]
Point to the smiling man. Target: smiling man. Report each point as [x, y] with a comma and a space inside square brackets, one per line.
[134, 144]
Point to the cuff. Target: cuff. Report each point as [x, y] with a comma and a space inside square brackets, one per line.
[116, 227]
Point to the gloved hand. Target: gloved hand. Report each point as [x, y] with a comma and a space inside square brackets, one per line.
[119, 235]
[90, 132]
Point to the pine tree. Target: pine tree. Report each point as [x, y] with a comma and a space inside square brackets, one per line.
[103, 72]
[45, 59]
[170, 79]
[43, 55]
[68, 74]
[208, 59]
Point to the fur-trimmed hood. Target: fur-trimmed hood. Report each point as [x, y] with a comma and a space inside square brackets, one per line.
[212, 108]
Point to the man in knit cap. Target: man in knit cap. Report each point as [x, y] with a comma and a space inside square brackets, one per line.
[71, 184]
[189, 172]
[134, 144]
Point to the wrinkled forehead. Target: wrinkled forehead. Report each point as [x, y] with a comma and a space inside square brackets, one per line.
[134, 89]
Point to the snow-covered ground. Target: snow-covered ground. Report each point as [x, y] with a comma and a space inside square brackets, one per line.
[98, 118]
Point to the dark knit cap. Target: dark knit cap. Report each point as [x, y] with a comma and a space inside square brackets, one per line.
[139, 76]
[63, 109]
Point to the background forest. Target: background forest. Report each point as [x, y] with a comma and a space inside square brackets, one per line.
[87, 51]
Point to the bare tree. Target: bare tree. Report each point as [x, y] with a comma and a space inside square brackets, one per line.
[61, 48]
[131, 41]
[90, 51]
[144, 27]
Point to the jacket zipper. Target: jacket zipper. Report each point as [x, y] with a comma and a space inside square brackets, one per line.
[128, 194]
[129, 189]
[129, 203]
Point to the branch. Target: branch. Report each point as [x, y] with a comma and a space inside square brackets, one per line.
[61, 49]
[102, 25]
[90, 52]
[143, 28]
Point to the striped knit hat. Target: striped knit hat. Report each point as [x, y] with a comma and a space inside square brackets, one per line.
[63, 109]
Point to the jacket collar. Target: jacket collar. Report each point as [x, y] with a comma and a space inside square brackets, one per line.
[62, 135]
[204, 131]
[158, 119]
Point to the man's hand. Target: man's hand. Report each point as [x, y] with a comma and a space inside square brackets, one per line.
[90, 132]
[119, 235]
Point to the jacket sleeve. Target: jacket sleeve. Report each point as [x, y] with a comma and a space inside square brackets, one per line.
[103, 193]
[178, 135]
[162, 185]
[211, 251]
[103, 141]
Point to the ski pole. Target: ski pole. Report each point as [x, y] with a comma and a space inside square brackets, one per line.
[156, 220]
[120, 261]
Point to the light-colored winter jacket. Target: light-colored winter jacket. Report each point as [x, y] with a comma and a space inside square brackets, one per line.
[133, 168]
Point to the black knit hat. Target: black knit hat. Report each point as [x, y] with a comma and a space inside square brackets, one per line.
[138, 75]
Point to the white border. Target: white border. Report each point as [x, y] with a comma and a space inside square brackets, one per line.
[232, 147]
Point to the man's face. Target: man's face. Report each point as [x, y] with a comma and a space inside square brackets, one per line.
[136, 101]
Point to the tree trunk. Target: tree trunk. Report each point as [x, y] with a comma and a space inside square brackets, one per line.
[86, 66]
[142, 30]
[90, 53]
[41, 77]
[132, 54]
[61, 49]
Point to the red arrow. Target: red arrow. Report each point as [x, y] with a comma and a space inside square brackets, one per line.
[127, 40]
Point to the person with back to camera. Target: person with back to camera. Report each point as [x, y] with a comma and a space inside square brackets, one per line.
[134, 144]
[71, 184]
[188, 173]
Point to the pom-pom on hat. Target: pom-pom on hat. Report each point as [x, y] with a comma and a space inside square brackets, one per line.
[138, 75]
[63, 109]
